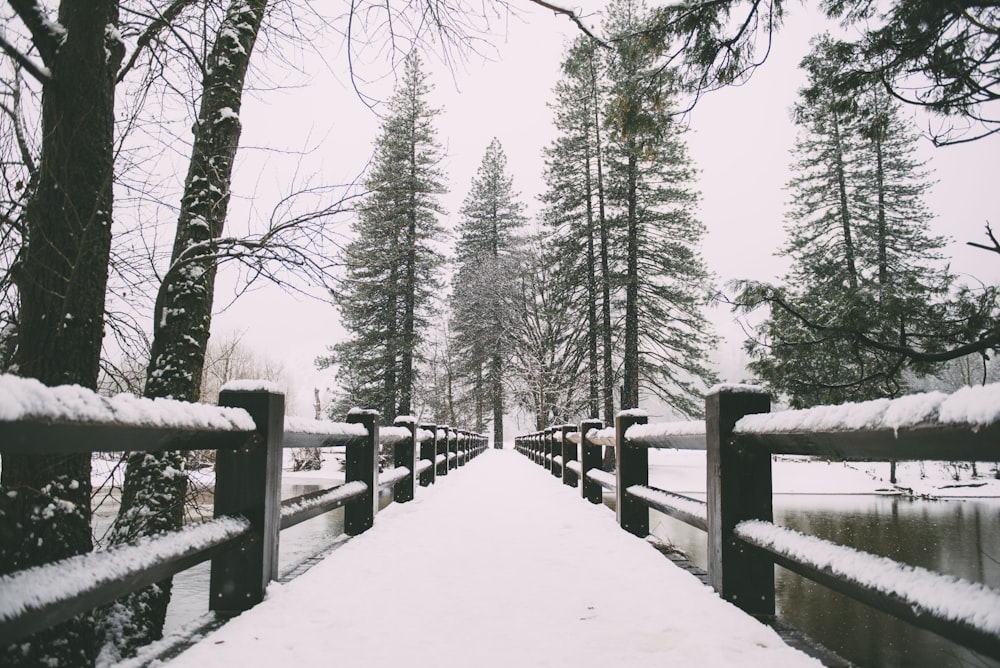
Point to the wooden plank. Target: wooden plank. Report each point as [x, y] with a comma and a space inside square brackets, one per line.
[51, 438]
[94, 591]
[900, 606]
[307, 506]
[927, 443]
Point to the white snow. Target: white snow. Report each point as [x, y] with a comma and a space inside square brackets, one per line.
[28, 399]
[251, 385]
[978, 406]
[603, 478]
[947, 596]
[974, 406]
[301, 425]
[688, 435]
[61, 580]
[423, 465]
[495, 603]
[424, 435]
[390, 435]
[393, 476]
[633, 412]
[690, 506]
[736, 387]
[575, 467]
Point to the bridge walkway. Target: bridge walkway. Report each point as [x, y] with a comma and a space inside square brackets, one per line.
[497, 565]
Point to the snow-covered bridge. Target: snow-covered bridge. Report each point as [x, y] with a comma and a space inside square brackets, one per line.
[501, 564]
[498, 567]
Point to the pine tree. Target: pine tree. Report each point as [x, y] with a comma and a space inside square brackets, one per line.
[864, 262]
[575, 210]
[650, 179]
[487, 253]
[390, 265]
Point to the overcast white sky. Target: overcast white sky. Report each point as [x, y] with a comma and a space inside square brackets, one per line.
[739, 139]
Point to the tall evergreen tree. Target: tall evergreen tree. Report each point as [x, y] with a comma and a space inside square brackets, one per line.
[575, 210]
[487, 254]
[864, 260]
[650, 180]
[391, 266]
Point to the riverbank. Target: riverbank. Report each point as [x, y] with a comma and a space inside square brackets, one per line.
[683, 471]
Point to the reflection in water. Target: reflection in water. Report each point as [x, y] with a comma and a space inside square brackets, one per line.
[956, 537]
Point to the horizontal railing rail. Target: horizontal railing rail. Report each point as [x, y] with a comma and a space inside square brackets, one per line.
[740, 436]
[248, 432]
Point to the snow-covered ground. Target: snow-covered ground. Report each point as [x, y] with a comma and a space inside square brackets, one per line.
[474, 573]
[683, 471]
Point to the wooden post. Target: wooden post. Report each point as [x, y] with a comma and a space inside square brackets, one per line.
[554, 435]
[568, 455]
[739, 488]
[631, 468]
[452, 448]
[248, 483]
[428, 450]
[590, 458]
[405, 454]
[443, 442]
[362, 465]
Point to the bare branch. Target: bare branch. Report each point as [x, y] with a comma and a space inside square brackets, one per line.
[574, 17]
[39, 72]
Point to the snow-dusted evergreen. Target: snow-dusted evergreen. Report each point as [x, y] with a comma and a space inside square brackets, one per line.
[651, 196]
[483, 303]
[864, 260]
[391, 264]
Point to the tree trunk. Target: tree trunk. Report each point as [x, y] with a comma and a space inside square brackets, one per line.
[630, 395]
[156, 484]
[845, 213]
[62, 278]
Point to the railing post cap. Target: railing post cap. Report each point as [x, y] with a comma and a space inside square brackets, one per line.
[251, 385]
[362, 411]
[405, 419]
[632, 412]
[737, 388]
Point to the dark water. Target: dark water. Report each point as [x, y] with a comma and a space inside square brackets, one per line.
[955, 537]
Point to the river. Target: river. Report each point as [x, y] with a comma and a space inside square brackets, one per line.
[958, 537]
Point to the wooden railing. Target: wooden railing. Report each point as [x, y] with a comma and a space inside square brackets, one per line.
[248, 432]
[740, 436]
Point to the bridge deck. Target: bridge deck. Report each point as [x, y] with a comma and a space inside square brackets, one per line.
[497, 565]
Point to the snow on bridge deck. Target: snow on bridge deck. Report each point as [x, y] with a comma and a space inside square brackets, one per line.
[497, 565]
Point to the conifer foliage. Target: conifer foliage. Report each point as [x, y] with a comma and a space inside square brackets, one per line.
[620, 203]
[391, 266]
[865, 265]
[485, 285]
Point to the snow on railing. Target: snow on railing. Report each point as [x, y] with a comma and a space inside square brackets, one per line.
[686, 509]
[974, 407]
[392, 476]
[689, 435]
[307, 506]
[38, 597]
[28, 400]
[423, 465]
[603, 478]
[392, 435]
[309, 433]
[918, 595]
